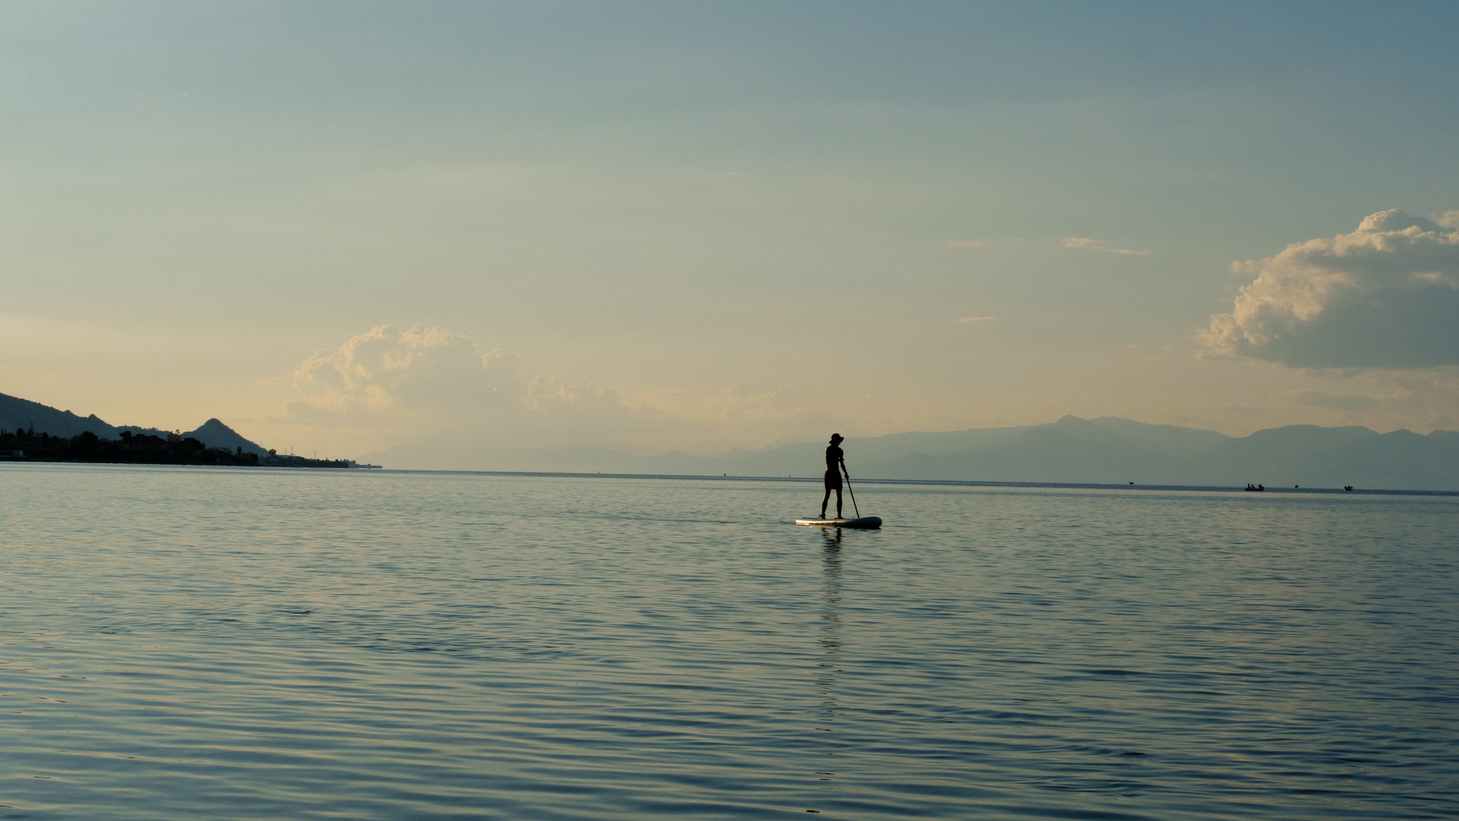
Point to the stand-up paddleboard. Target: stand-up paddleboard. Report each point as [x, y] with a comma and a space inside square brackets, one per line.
[861, 522]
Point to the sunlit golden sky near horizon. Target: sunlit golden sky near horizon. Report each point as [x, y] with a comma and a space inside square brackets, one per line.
[653, 226]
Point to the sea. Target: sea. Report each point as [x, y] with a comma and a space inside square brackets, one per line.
[247, 643]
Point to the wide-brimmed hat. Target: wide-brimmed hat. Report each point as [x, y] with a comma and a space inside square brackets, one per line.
[836, 437]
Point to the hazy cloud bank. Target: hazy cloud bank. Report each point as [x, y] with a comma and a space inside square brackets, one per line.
[417, 370]
[1346, 402]
[1383, 296]
[425, 396]
[393, 386]
[1092, 244]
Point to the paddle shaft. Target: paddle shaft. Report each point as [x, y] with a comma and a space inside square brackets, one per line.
[853, 495]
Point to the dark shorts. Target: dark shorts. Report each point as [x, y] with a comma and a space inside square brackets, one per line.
[833, 480]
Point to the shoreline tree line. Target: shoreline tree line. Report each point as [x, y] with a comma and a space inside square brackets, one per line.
[141, 449]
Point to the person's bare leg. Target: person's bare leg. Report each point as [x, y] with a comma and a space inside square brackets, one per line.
[838, 503]
[825, 499]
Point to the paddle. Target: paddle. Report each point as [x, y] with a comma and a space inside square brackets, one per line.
[853, 495]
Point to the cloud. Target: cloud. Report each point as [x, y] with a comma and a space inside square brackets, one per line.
[1091, 244]
[968, 244]
[1385, 398]
[424, 395]
[1383, 296]
[969, 319]
[1339, 401]
[389, 370]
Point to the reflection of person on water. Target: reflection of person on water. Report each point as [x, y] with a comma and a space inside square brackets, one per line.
[829, 665]
[835, 466]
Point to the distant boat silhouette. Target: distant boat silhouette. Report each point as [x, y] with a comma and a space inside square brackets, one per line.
[1256, 488]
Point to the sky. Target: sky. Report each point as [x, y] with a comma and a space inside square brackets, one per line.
[347, 227]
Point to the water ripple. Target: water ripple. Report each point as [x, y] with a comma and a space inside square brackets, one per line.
[314, 645]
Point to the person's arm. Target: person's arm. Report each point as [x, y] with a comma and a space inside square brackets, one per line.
[844, 471]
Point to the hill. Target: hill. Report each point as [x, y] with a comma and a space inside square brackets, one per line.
[23, 414]
[215, 434]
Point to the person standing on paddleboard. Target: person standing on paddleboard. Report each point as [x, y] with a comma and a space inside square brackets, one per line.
[835, 466]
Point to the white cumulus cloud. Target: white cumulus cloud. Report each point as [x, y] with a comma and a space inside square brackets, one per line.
[389, 369]
[1383, 296]
[428, 396]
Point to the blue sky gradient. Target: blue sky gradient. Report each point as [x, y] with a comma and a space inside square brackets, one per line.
[697, 209]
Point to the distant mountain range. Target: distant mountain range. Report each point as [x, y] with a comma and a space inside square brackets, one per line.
[23, 414]
[1106, 450]
[1118, 451]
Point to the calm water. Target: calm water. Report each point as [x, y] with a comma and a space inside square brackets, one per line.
[185, 642]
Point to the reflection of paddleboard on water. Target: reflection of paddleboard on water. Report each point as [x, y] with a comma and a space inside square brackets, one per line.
[860, 522]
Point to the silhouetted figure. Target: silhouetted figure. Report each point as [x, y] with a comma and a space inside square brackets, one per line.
[835, 466]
